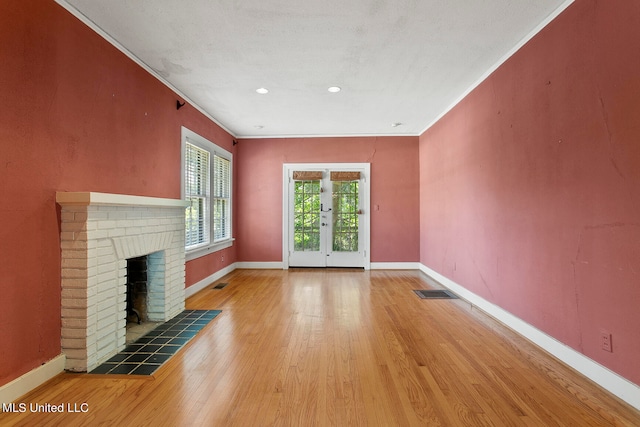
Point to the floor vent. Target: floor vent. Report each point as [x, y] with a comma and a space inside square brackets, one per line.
[434, 294]
[220, 286]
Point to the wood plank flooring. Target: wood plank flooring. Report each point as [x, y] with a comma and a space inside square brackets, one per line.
[337, 348]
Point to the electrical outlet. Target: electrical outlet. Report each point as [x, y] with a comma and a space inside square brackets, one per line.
[605, 340]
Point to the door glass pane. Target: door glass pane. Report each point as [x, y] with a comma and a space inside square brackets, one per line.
[345, 216]
[306, 220]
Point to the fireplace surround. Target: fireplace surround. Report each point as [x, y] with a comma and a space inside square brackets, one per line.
[99, 232]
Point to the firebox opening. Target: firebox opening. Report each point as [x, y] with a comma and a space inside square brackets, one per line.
[137, 316]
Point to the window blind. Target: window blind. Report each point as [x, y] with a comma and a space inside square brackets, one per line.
[221, 198]
[307, 175]
[196, 194]
[345, 176]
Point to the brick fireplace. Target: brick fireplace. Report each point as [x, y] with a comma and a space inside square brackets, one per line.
[99, 233]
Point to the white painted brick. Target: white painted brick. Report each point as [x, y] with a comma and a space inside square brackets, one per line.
[73, 276]
[74, 244]
[73, 254]
[74, 333]
[105, 251]
[73, 343]
[117, 214]
[80, 235]
[106, 294]
[81, 216]
[106, 268]
[98, 234]
[67, 235]
[108, 322]
[67, 216]
[74, 283]
[106, 277]
[73, 293]
[116, 232]
[91, 331]
[73, 226]
[92, 281]
[93, 298]
[103, 243]
[74, 323]
[163, 230]
[74, 263]
[76, 354]
[73, 303]
[107, 351]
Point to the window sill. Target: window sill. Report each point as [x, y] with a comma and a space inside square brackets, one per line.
[209, 249]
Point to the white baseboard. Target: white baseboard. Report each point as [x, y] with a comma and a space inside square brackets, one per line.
[198, 286]
[32, 379]
[395, 265]
[614, 383]
[274, 265]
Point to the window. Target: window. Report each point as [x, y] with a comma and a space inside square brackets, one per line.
[207, 189]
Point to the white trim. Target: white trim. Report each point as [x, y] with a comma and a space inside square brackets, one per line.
[266, 265]
[553, 15]
[198, 286]
[395, 266]
[208, 249]
[609, 380]
[187, 135]
[75, 12]
[86, 198]
[89, 23]
[322, 135]
[32, 379]
[287, 168]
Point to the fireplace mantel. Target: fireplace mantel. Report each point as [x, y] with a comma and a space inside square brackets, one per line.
[98, 233]
[90, 198]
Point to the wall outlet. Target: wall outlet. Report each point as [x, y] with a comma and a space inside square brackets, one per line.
[605, 341]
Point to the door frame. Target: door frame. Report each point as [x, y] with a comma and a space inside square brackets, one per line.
[365, 220]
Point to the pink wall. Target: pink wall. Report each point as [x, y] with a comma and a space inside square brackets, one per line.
[529, 187]
[75, 115]
[394, 187]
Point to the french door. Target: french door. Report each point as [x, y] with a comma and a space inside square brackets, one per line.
[326, 219]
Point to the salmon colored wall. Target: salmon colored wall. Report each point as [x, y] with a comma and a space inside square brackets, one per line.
[394, 188]
[75, 115]
[530, 186]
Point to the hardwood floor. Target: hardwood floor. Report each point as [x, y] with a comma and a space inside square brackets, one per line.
[337, 348]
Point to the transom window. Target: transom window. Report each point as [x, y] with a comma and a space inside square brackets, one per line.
[207, 188]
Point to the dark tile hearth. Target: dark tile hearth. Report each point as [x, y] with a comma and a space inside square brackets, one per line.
[149, 352]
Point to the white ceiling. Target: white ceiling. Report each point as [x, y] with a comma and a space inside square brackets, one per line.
[397, 61]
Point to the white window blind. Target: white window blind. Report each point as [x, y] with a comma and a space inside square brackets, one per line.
[221, 198]
[208, 189]
[196, 190]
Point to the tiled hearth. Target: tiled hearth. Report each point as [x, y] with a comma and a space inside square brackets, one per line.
[99, 232]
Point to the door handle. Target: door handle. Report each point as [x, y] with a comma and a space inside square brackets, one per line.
[322, 208]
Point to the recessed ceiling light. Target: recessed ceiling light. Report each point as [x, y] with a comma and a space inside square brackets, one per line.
[262, 90]
[396, 124]
[258, 126]
[334, 89]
